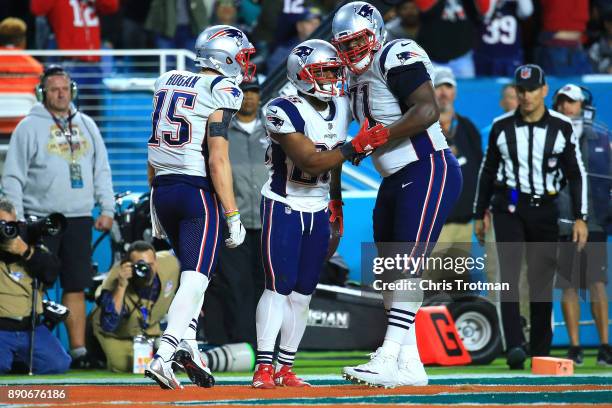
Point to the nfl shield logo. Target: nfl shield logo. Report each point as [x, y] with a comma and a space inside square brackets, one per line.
[525, 72]
[330, 126]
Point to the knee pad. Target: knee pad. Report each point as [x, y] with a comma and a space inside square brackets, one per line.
[299, 301]
[193, 285]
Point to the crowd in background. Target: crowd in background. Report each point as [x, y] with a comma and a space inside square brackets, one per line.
[473, 38]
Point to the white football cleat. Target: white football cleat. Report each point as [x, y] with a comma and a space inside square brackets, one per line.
[411, 372]
[161, 372]
[190, 360]
[380, 371]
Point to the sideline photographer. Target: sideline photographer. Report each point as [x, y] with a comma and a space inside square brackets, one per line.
[132, 300]
[20, 264]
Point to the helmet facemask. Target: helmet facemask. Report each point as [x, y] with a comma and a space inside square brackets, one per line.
[243, 58]
[327, 79]
[356, 50]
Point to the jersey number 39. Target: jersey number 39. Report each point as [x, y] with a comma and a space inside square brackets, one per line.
[170, 118]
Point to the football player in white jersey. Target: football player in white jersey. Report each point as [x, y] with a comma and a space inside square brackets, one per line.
[391, 84]
[307, 139]
[191, 185]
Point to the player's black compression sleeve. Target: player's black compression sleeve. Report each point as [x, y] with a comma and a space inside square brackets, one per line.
[219, 129]
[403, 80]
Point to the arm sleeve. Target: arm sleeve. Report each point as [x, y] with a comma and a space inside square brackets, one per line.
[43, 265]
[226, 94]
[103, 183]
[283, 117]
[15, 172]
[486, 176]
[109, 318]
[41, 7]
[403, 80]
[572, 166]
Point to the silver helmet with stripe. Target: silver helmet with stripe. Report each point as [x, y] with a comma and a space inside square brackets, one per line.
[358, 31]
[315, 69]
[227, 50]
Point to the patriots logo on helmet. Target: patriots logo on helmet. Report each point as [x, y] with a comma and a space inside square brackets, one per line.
[234, 33]
[366, 11]
[406, 55]
[275, 121]
[234, 91]
[302, 52]
[525, 72]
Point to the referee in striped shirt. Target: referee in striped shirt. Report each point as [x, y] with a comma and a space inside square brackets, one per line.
[530, 156]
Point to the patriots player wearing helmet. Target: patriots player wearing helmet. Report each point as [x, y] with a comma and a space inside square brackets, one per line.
[307, 135]
[191, 185]
[391, 85]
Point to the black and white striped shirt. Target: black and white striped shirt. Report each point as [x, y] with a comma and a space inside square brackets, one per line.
[533, 158]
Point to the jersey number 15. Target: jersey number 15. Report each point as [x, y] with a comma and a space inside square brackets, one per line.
[180, 135]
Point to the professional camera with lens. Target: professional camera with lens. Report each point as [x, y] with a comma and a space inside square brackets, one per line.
[141, 272]
[33, 228]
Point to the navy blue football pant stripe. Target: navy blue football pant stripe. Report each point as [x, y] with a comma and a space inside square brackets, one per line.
[190, 217]
[413, 204]
[293, 253]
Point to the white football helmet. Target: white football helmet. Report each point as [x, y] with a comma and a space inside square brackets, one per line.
[227, 50]
[358, 31]
[314, 68]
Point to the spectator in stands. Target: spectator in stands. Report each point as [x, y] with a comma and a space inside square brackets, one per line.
[239, 280]
[406, 24]
[508, 102]
[305, 25]
[498, 50]
[464, 141]
[134, 297]
[20, 264]
[177, 23]
[587, 268]
[226, 12]
[600, 53]
[19, 73]
[560, 50]
[57, 162]
[77, 27]
[447, 32]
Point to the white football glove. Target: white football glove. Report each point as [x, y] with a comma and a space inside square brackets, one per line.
[236, 231]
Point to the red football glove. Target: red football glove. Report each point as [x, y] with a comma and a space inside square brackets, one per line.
[335, 213]
[366, 140]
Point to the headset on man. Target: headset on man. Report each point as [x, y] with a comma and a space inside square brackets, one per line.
[52, 70]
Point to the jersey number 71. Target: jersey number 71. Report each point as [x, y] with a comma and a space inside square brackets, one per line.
[181, 134]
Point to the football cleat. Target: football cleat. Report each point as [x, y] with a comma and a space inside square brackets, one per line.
[161, 372]
[264, 377]
[190, 360]
[380, 371]
[411, 372]
[285, 377]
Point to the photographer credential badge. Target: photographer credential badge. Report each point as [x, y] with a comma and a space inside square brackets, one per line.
[76, 177]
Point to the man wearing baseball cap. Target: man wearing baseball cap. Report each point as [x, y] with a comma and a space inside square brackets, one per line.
[588, 268]
[530, 155]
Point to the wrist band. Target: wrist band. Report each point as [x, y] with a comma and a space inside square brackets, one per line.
[231, 213]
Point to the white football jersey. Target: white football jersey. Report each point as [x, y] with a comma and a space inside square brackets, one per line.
[371, 98]
[287, 183]
[182, 103]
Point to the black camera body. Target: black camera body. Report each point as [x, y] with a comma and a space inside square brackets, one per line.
[54, 313]
[141, 272]
[33, 228]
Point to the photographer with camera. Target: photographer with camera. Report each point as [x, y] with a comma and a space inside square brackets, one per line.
[132, 300]
[23, 266]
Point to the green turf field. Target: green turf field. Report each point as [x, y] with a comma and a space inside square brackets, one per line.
[332, 363]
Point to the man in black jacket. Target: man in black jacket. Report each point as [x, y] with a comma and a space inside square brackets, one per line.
[464, 141]
[20, 264]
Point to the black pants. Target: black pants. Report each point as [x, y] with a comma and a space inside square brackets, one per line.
[537, 228]
[235, 289]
